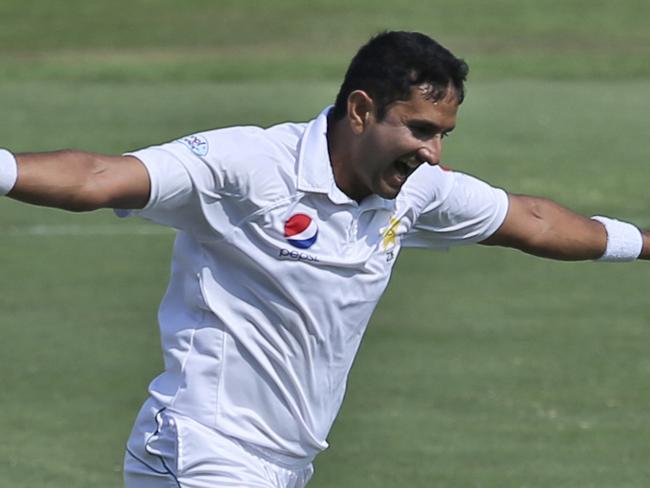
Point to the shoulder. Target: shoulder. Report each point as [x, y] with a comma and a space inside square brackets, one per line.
[445, 192]
[247, 143]
[427, 187]
[248, 160]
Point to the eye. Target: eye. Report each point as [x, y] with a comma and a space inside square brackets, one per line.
[422, 131]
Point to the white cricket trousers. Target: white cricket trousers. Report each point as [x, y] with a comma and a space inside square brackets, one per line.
[167, 450]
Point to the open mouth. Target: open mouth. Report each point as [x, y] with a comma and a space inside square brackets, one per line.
[401, 169]
[406, 166]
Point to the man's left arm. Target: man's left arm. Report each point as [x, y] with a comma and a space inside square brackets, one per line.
[541, 227]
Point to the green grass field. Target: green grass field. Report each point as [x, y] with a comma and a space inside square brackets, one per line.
[481, 368]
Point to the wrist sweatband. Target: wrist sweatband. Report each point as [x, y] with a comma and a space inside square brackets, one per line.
[624, 241]
[8, 171]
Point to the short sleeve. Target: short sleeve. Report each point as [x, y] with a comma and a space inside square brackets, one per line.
[469, 211]
[171, 187]
[207, 183]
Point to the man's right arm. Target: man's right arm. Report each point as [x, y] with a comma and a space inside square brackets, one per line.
[81, 181]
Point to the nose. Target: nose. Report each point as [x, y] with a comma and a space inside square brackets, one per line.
[431, 151]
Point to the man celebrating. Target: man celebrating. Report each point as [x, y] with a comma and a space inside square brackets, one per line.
[286, 240]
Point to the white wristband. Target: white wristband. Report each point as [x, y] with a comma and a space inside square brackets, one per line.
[624, 241]
[8, 171]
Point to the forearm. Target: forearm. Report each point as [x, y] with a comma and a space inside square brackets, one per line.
[56, 179]
[80, 181]
[544, 228]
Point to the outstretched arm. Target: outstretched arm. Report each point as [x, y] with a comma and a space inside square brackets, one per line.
[543, 228]
[80, 181]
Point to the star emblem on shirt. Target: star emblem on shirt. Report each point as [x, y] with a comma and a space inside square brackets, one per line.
[389, 234]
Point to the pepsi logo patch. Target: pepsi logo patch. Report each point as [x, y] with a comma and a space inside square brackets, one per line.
[301, 231]
[197, 144]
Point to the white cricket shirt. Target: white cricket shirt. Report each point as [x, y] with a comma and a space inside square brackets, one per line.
[276, 272]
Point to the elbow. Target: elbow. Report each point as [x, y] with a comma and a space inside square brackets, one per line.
[80, 207]
[526, 226]
[537, 208]
[89, 193]
[538, 228]
[86, 199]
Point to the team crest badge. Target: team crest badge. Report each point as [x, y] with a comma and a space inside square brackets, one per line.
[197, 144]
[389, 238]
[389, 235]
[301, 231]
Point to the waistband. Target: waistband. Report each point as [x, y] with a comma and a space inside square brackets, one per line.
[269, 455]
[274, 457]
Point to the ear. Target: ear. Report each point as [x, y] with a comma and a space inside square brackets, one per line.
[360, 110]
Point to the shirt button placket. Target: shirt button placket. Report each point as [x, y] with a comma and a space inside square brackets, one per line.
[354, 226]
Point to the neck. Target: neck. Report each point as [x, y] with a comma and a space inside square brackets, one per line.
[340, 147]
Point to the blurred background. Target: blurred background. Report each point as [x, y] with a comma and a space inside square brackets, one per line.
[481, 367]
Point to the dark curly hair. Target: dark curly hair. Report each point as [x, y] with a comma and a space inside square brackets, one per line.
[393, 62]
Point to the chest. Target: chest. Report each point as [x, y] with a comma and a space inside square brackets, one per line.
[319, 236]
[353, 237]
[315, 258]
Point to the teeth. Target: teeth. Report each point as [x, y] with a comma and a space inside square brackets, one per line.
[410, 163]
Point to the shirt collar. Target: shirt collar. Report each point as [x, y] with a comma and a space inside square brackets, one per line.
[315, 168]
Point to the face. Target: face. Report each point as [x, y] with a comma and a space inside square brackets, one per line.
[391, 149]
